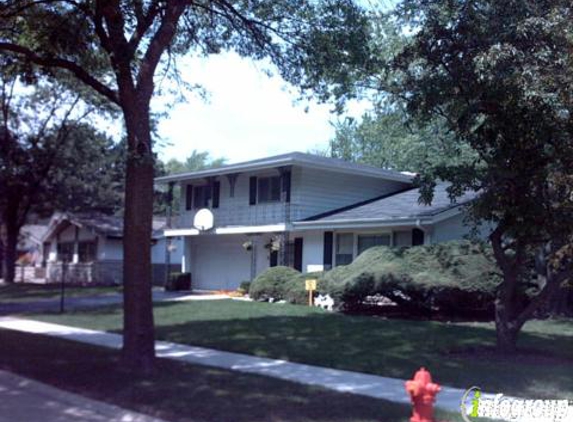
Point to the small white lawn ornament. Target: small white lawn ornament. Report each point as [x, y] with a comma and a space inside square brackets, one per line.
[325, 302]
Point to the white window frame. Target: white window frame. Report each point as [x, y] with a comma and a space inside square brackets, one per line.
[374, 232]
[269, 201]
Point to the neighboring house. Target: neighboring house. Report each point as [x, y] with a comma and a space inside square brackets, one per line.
[89, 246]
[303, 211]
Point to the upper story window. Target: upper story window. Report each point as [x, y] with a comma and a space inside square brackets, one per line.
[269, 189]
[201, 196]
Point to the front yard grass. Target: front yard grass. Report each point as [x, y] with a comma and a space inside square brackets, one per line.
[18, 292]
[393, 348]
[182, 392]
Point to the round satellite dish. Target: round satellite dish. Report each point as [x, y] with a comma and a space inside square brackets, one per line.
[203, 220]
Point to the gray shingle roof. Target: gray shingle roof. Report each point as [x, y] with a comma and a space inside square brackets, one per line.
[404, 204]
[108, 225]
[293, 158]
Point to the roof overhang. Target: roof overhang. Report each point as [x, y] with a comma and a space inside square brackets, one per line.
[365, 223]
[290, 160]
[360, 224]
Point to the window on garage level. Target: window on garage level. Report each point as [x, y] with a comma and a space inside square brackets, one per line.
[366, 241]
[344, 248]
[269, 189]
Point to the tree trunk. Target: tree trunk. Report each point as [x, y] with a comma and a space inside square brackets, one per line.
[507, 330]
[138, 334]
[12, 231]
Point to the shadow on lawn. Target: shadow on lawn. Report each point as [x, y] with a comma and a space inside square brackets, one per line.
[181, 392]
[392, 348]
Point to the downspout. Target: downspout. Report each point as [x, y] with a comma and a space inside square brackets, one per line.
[427, 235]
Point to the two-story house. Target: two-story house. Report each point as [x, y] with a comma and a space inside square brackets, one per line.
[303, 211]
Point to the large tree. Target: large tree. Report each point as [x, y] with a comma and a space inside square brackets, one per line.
[50, 158]
[386, 137]
[117, 46]
[500, 74]
[198, 160]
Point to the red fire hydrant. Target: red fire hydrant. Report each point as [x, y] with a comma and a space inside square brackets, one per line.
[423, 394]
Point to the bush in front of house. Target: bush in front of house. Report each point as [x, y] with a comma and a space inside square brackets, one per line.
[244, 287]
[272, 283]
[296, 287]
[453, 277]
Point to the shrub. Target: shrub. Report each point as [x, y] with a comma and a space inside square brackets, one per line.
[296, 287]
[272, 283]
[244, 287]
[454, 277]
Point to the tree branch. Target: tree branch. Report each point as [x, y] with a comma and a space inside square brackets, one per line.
[157, 46]
[54, 62]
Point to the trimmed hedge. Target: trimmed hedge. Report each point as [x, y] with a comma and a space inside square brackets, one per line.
[453, 277]
[296, 287]
[272, 283]
[283, 283]
[456, 278]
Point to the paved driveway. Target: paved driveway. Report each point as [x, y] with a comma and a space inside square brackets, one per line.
[53, 305]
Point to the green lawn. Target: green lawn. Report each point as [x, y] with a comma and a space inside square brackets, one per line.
[10, 293]
[394, 348]
[182, 392]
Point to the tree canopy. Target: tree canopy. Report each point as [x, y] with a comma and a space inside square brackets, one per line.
[500, 76]
[198, 160]
[387, 138]
[50, 157]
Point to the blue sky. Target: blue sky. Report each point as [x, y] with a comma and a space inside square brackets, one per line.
[247, 114]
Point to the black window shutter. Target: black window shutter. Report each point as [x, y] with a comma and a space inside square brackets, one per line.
[417, 237]
[216, 194]
[298, 253]
[274, 259]
[253, 190]
[327, 255]
[188, 197]
[286, 183]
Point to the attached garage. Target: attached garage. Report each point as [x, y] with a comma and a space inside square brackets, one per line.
[220, 262]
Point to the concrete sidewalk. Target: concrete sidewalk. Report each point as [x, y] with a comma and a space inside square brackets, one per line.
[22, 399]
[343, 381]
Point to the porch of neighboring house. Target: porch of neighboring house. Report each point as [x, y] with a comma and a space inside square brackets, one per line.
[88, 249]
[74, 254]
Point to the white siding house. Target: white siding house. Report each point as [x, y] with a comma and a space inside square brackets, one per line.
[303, 211]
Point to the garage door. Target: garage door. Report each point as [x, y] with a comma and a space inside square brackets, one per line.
[218, 265]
